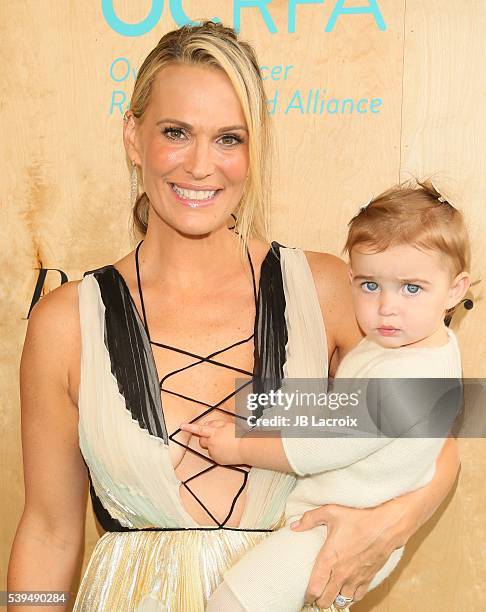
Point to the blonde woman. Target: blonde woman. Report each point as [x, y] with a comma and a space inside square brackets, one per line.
[114, 363]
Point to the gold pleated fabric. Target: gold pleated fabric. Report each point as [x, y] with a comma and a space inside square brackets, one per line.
[161, 571]
[155, 571]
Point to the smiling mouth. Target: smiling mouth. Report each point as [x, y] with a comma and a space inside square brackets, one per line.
[195, 198]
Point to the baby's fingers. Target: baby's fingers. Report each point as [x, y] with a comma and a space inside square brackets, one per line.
[198, 430]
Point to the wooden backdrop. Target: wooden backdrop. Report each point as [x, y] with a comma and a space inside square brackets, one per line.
[65, 186]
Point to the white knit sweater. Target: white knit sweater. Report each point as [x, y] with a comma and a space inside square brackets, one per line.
[363, 472]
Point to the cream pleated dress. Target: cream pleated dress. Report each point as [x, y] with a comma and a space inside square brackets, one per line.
[154, 556]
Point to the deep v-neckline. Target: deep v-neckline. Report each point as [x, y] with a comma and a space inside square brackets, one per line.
[133, 368]
[200, 359]
[146, 336]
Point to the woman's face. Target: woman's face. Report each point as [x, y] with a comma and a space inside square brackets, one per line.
[192, 147]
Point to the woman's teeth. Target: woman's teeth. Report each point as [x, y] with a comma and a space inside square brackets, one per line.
[190, 194]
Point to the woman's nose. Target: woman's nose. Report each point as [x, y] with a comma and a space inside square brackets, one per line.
[198, 161]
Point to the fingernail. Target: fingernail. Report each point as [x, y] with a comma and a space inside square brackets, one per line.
[294, 524]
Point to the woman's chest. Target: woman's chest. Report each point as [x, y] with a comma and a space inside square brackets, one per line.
[201, 359]
[203, 352]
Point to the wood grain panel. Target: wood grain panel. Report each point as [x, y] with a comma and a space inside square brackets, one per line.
[65, 194]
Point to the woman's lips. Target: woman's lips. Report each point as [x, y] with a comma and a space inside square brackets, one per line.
[194, 203]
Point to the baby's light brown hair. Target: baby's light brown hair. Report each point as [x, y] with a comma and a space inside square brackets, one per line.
[416, 215]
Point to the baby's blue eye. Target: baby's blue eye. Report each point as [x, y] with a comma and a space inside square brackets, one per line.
[411, 289]
[369, 286]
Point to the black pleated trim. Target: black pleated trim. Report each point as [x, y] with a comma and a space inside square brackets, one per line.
[131, 357]
[270, 327]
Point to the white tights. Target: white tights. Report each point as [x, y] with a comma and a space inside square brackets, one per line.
[223, 600]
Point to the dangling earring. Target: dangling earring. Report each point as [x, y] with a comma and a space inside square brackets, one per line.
[133, 184]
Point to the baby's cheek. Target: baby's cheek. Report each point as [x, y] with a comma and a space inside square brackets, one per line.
[425, 312]
[364, 314]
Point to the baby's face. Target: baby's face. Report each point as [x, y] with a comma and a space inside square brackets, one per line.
[401, 294]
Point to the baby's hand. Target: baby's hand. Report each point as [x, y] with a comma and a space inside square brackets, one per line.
[218, 438]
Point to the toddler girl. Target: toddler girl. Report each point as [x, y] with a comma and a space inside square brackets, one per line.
[409, 262]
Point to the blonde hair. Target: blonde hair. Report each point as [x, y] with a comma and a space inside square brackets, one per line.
[417, 215]
[216, 46]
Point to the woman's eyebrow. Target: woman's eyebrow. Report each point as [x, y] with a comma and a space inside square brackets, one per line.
[229, 128]
[188, 126]
[169, 120]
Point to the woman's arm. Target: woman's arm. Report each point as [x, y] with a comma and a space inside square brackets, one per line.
[361, 540]
[49, 537]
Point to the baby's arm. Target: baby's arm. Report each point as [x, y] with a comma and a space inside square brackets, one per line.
[273, 575]
[281, 454]
[295, 453]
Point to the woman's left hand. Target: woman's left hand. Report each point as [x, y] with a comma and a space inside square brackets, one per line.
[218, 437]
[358, 543]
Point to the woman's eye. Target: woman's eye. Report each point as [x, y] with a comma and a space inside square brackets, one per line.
[232, 138]
[369, 286]
[411, 289]
[170, 131]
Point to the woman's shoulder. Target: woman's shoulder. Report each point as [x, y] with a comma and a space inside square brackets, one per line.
[328, 269]
[53, 331]
[57, 307]
[55, 316]
[331, 278]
